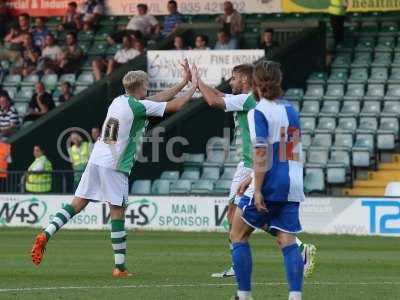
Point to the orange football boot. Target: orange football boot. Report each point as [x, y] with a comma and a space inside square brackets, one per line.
[121, 274]
[39, 246]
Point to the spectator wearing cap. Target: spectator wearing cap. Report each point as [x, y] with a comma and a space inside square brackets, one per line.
[268, 43]
[39, 32]
[41, 103]
[225, 42]
[174, 18]
[231, 21]
[72, 55]
[51, 54]
[9, 119]
[91, 11]
[201, 42]
[123, 55]
[66, 92]
[72, 19]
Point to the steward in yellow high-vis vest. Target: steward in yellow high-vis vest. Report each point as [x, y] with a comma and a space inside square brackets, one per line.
[79, 154]
[38, 179]
[337, 7]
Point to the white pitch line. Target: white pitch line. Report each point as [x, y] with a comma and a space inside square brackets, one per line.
[140, 286]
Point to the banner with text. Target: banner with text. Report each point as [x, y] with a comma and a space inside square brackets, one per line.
[163, 66]
[375, 216]
[305, 6]
[39, 7]
[373, 5]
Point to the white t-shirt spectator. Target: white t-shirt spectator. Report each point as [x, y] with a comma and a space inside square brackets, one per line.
[52, 52]
[142, 23]
[124, 55]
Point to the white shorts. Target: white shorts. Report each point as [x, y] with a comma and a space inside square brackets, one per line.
[241, 173]
[103, 184]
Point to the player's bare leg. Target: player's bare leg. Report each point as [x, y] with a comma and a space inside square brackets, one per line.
[241, 255]
[59, 220]
[118, 240]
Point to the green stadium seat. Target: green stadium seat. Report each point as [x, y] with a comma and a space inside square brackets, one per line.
[232, 160]
[85, 36]
[375, 92]
[215, 158]
[367, 125]
[362, 60]
[122, 20]
[190, 175]
[383, 60]
[358, 76]
[338, 76]
[362, 150]
[387, 134]
[21, 107]
[355, 91]
[170, 175]
[310, 109]
[30, 80]
[307, 124]
[378, 75]
[314, 180]
[385, 44]
[24, 94]
[50, 81]
[202, 187]
[340, 157]
[181, 187]
[306, 140]
[391, 109]
[228, 173]
[390, 124]
[393, 92]
[193, 161]
[11, 90]
[334, 92]
[80, 88]
[330, 109]
[107, 21]
[346, 46]
[396, 61]
[103, 33]
[369, 30]
[294, 94]
[336, 171]
[394, 77]
[12, 80]
[342, 61]
[314, 92]
[222, 187]
[350, 109]
[160, 187]
[317, 78]
[326, 125]
[113, 49]
[322, 140]
[85, 78]
[71, 78]
[343, 142]
[141, 187]
[371, 109]
[365, 45]
[211, 173]
[389, 29]
[97, 50]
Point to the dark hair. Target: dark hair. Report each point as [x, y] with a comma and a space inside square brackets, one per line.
[73, 34]
[39, 146]
[25, 15]
[42, 18]
[173, 2]
[245, 70]
[204, 38]
[67, 83]
[142, 41]
[226, 33]
[142, 5]
[269, 30]
[73, 4]
[6, 95]
[267, 78]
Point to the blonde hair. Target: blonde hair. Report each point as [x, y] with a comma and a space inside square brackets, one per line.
[133, 80]
[267, 77]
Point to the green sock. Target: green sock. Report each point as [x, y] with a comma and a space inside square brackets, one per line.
[59, 220]
[300, 244]
[118, 240]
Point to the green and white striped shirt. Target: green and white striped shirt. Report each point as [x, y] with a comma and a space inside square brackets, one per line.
[240, 105]
[122, 132]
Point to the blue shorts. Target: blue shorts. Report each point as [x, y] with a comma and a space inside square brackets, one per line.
[281, 216]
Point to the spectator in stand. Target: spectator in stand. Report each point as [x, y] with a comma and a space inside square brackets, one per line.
[30, 57]
[41, 103]
[15, 38]
[140, 45]
[143, 22]
[267, 42]
[231, 22]
[72, 55]
[72, 20]
[39, 32]
[66, 92]
[224, 42]
[172, 21]
[51, 54]
[5, 18]
[9, 120]
[91, 10]
[95, 133]
[201, 42]
[179, 43]
[126, 53]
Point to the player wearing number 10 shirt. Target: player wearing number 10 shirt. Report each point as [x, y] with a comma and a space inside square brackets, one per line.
[106, 175]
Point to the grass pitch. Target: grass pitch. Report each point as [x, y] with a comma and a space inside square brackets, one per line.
[170, 265]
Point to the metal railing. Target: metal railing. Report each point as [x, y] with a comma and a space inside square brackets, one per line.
[61, 182]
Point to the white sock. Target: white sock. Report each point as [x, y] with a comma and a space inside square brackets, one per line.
[244, 295]
[294, 295]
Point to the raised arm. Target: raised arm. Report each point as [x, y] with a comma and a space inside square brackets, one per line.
[170, 93]
[177, 103]
[213, 98]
